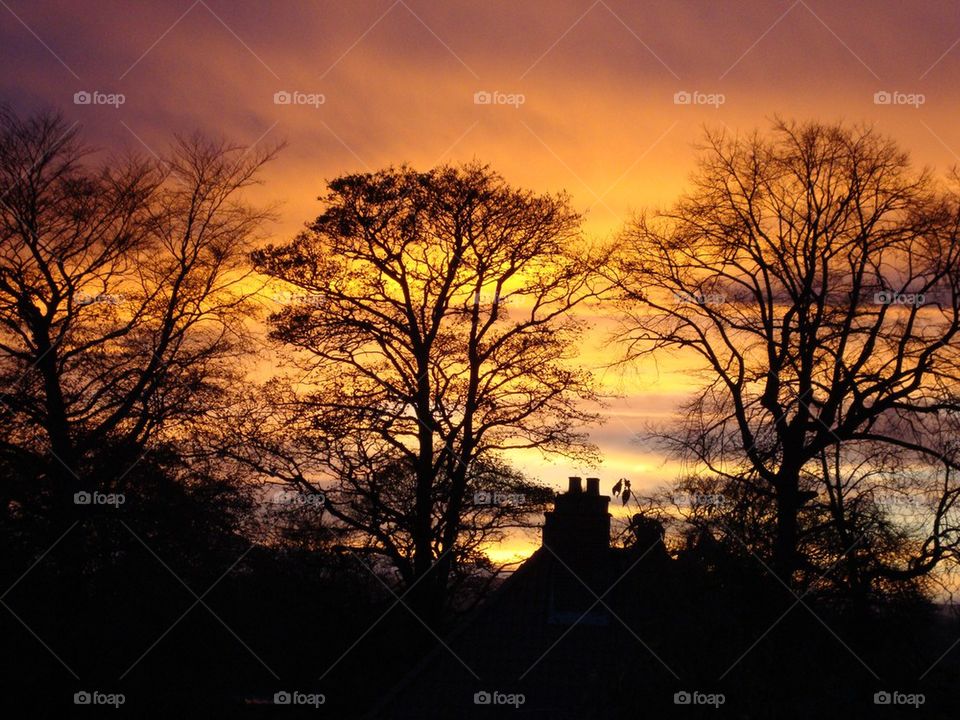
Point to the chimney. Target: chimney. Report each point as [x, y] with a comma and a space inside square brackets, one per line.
[579, 524]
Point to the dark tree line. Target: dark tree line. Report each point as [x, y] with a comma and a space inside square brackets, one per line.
[356, 439]
[430, 322]
[815, 275]
[125, 293]
[438, 336]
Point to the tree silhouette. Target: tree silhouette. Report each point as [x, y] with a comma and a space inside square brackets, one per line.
[123, 295]
[360, 502]
[816, 276]
[439, 334]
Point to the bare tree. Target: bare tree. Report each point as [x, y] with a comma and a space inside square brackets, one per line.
[124, 289]
[328, 488]
[438, 330]
[816, 276]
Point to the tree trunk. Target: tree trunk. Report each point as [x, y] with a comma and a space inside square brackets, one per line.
[62, 465]
[785, 542]
[424, 596]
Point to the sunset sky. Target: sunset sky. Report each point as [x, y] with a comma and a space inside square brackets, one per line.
[583, 99]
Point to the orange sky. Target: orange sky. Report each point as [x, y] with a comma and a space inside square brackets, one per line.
[398, 80]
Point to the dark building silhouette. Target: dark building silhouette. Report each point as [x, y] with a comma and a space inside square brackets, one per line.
[579, 524]
[585, 631]
[562, 630]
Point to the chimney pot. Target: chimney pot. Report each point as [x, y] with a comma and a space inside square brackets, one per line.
[578, 526]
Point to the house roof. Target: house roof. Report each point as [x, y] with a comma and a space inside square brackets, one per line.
[544, 634]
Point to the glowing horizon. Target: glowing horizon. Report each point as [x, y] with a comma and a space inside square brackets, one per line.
[603, 100]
